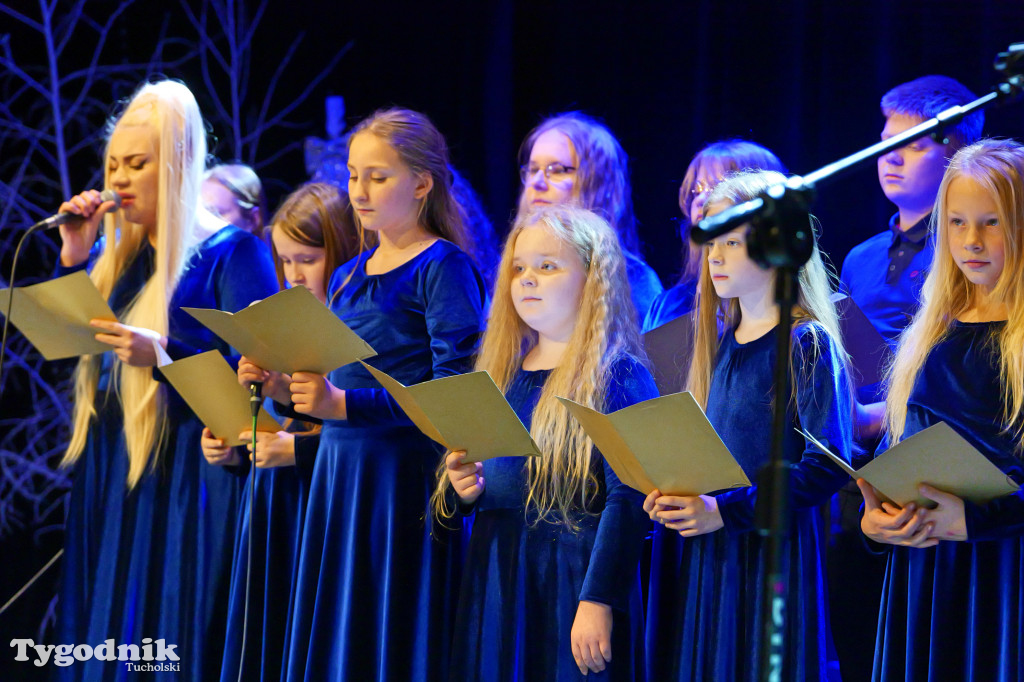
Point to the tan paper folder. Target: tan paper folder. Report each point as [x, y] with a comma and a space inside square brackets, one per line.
[288, 332]
[54, 316]
[210, 387]
[665, 443]
[938, 456]
[669, 348]
[463, 412]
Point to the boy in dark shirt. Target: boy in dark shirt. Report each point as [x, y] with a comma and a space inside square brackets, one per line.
[884, 274]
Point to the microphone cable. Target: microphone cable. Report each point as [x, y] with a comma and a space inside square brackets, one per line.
[254, 405]
[10, 296]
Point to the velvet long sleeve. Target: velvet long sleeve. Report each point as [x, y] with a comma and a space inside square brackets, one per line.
[823, 409]
[229, 271]
[623, 522]
[670, 304]
[235, 276]
[448, 284]
[996, 520]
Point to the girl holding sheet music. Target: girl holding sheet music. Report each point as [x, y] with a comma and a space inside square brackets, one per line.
[311, 235]
[374, 593]
[551, 588]
[150, 526]
[709, 614]
[953, 602]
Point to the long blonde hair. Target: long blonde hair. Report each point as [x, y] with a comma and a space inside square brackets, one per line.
[563, 481]
[171, 110]
[814, 311]
[998, 167]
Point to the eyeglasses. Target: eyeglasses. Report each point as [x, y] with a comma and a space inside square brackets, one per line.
[700, 187]
[554, 172]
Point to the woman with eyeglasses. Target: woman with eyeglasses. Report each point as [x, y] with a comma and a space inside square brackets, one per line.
[708, 167]
[573, 158]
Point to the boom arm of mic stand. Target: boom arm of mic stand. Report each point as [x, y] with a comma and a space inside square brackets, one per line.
[1009, 62]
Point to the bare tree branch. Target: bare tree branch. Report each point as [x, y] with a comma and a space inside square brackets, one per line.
[276, 120]
[10, 11]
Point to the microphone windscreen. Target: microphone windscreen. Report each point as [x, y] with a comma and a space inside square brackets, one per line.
[111, 195]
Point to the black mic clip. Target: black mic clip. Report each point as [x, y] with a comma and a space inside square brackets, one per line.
[781, 234]
[255, 397]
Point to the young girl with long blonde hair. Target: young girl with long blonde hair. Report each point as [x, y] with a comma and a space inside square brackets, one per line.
[551, 588]
[375, 587]
[710, 613]
[953, 601]
[150, 526]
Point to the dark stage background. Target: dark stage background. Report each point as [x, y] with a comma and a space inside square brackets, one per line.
[802, 78]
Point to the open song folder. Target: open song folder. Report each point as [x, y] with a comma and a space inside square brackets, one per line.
[463, 412]
[665, 443]
[54, 316]
[210, 387]
[288, 332]
[938, 456]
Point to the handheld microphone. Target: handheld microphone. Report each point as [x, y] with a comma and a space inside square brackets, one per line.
[66, 217]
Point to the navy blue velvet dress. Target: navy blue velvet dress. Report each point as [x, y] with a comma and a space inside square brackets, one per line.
[703, 619]
[376, 586]
[154, 561]
[956, 611]
[277, 514]
[522, 585]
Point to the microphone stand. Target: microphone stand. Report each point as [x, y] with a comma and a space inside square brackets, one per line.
[781, 237]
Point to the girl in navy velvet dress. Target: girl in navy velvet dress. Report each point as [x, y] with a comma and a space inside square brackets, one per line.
[710, 614]
[311, 234]
[150, 526]
[551, 590]
[376, 583]
[953, 602]
[573, 158]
